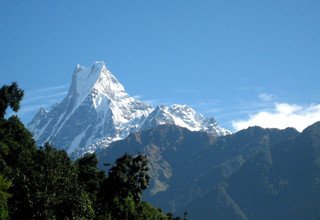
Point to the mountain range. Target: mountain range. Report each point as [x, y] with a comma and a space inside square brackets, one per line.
[196, 166]
[253, 174]
[97, 111]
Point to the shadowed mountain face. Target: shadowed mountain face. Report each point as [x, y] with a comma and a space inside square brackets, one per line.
[253, 174]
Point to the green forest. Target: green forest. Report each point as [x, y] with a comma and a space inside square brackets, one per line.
[44, 183]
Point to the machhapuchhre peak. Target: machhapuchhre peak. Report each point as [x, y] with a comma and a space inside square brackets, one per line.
[97, 111]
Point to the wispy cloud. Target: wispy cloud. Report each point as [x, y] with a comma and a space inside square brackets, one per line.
[207, 104]
[42, 97]
[137, 97]
[156, 102]
[47, 89]
[159, 101]
[152, 102]
[42, 94]
[31, 108]
[281, 116]
[266, 97]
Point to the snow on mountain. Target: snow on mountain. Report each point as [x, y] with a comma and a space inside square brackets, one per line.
[37, 122]
[183, 116]
[97, 111]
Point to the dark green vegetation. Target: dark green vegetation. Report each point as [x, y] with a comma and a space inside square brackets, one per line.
[45, 183]
[253, 174]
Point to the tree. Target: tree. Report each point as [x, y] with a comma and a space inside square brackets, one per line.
[16, 142]
[147, 211]
[129, 176]
[49, 189]
[4, 195]
[10, 96]
[90, 177]
[122, 190]
[16, 145]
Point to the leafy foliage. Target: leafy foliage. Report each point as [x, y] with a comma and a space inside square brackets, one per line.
[90, 178]
[54, 186]
[4, 195]
[129, 177]
[45, 183]
[10, 96]
[122, 190]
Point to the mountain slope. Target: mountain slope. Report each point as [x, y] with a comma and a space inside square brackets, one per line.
[202, 174]
[253, 174]
[97, 111]
[282, 181]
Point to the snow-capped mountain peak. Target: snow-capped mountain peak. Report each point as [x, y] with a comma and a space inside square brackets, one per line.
[183, 116]
[96, 80]
[97, 111]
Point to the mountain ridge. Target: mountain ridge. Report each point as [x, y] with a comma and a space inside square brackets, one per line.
[97, 111]
[255, 173]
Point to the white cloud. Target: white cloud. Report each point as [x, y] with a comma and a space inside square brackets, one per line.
[282, 116]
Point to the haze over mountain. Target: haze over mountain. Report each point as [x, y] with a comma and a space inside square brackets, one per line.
[97, 111]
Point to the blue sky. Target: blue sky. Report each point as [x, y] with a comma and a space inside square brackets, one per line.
[233, 60]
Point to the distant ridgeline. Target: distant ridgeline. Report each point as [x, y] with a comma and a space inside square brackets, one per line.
[253, 174]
